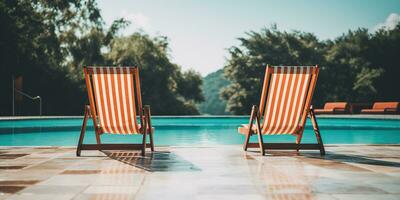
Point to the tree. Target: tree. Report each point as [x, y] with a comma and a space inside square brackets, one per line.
[247, 63]
[164, 86]
[363, 66]
[386, 48]
[358, 66]
[212, 85]
[35, 43]
[349, 69]
[48, 42]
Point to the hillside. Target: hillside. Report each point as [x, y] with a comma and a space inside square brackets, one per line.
[212, 84]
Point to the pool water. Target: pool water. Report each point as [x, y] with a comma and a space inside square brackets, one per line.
[199, 131]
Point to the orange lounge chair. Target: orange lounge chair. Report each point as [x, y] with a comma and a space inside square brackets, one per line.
[383, 108]
[284, 106]
[334, 108]
[115, 99]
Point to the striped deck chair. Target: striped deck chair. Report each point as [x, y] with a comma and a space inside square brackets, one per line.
[115, 100]
[284, 106]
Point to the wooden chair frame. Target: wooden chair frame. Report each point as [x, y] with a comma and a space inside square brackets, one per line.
[307, 111]
[90, 112]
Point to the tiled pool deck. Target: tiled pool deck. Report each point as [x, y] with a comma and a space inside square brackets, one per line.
[223, 172]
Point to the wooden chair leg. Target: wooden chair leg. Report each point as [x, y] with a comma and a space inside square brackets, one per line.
[83, 130]
[144, 138]
[149, 125]
[246, 141]
[299, 136]
[98, 140]
[144, 145]
[317, 133]
[298, 139]
[252, 116]
[260, 138]
[151, 140]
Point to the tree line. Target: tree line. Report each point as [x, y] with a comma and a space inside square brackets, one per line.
[44, 44]
[358, 66]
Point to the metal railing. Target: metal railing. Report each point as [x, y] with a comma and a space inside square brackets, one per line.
[26, 95]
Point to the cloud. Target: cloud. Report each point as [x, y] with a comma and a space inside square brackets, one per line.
[391, 22]
[138, 20]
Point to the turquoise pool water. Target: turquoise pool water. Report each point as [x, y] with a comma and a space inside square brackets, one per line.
[203, 131]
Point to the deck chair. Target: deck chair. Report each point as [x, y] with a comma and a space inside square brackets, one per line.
[115, 100]
[284, 106]
[383, 108]
[334, 108]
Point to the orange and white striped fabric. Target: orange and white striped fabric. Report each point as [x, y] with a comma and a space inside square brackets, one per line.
[113, 97]
[282, 105]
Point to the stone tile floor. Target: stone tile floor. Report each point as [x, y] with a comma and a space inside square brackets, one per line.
[223, 172]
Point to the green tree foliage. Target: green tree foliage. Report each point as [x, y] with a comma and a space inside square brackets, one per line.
[350, 67]
[164, 86]
[47, 43]
[212, 85]
[247, 63]
[34, 44]
[362, 66]
[357, 67]
[87, 49]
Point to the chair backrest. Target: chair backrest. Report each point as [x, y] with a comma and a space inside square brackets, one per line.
[112, 92]
[286, 98]
[386, 105]
[336, 105]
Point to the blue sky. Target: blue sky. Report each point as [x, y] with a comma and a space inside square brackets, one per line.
[200, 31]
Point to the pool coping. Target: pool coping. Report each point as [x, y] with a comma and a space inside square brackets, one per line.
[336, 116]
[205, 146]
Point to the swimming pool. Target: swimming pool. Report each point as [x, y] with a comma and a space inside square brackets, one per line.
[200, 131]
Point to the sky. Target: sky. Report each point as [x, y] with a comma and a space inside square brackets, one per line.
[201, 31]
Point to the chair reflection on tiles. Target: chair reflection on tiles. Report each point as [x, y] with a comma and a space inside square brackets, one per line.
[282, 179]
[160, 161]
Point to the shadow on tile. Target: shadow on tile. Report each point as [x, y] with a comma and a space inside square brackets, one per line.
[276, 152]
[331, 156]
[10, 189]
[154, 162]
